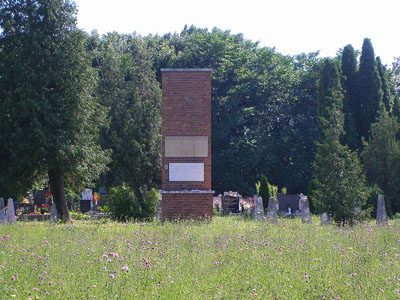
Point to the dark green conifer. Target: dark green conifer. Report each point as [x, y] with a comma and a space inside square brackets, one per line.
[370, 89]
[351, 107]
[339, 185]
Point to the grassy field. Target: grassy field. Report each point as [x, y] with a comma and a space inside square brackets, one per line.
[228, 258]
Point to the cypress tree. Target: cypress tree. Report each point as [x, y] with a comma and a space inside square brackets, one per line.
[370, 89]
[383, 75]
[338, 183]
[351, 107]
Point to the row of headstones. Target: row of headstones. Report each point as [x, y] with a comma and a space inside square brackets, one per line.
[381, 216]
[9, 217]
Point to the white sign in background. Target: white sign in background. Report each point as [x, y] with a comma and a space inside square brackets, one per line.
[186, 172]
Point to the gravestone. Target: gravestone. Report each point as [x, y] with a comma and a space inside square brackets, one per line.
[87, 200]
[186, 144]
[10, 211]
[258, 209]
[230, 203]
[324, 219]
[2, 213]
[272, 211]
[305, 209]
[288, 204]
[159, 210]
[53, 213]
[381, 216]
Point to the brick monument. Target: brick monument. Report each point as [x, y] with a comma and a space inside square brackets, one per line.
[186, 143]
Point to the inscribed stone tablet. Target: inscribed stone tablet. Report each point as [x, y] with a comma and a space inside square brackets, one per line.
[186, 146]
[186, 172]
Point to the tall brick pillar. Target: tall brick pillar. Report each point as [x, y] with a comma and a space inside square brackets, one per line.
[186, 143]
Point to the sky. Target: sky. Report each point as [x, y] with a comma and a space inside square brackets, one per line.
[291, 26]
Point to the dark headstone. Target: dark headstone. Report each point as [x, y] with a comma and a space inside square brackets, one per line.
[288, 203]
[381, 216]
[230, 203]
[40, 198]
[85, 205]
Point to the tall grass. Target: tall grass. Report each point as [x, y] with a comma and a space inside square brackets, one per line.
[227, 258]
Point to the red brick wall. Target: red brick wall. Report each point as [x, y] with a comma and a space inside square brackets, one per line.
[176, 206]
[186, 107]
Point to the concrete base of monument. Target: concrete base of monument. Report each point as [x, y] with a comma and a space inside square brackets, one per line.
[187, 204]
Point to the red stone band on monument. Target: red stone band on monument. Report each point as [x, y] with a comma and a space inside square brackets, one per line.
[186, 143]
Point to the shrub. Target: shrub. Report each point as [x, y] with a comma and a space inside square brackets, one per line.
[123, 204]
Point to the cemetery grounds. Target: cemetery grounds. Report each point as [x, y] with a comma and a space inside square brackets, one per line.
[226, 258]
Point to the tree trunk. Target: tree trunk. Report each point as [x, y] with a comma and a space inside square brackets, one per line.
[137, 191]
[56, 180]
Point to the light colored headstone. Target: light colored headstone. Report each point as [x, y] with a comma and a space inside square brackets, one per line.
[258, 209]
[159, 210]
[10, 211]
[324, 219]
[305, 209]
[2, 213]
[53, 213]
[381, 216]
[272, 217]
[87, 194]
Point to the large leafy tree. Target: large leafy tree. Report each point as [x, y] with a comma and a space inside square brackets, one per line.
[338, 184]
[370, 93]
[129, 88]
[48, 108]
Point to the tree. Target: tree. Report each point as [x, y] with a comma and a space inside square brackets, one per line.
[338, 182]
[263, 106]
[381, 157]
[383, 75]
[351, 107]
[263, 190]
[47, 94]
[370, 93]
[129, 88]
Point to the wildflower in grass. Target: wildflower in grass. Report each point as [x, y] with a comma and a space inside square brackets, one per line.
[21, 261]
[6, 236]
[44, 272]
[353, 274]
[47, 293]
[12, 278]
[125, 268]
[35, 289]
[112, 276]
[104, 255]
[50, 283]
[2, 267]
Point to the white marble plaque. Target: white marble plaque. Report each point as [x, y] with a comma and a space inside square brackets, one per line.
[186, 146]
[186, 172]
